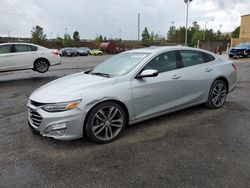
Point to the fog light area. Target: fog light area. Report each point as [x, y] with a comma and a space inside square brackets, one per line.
[56, 129]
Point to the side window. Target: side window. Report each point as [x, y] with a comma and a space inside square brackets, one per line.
[190, 57]
[163, 62]
[208, 57]
[34, 48]
[5, 49]
[23, 48]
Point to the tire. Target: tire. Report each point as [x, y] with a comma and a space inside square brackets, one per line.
[105, 122]
[41, 65]
[217, 94]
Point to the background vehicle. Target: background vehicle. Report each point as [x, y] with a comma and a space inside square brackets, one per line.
[128, 88]
[70, 52]
[96, 52]
[83, 51]
[62, 52]
[241, 50]
[18, 56]
[108, 47]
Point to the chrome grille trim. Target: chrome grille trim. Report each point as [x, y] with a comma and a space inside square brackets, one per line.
[34, 117]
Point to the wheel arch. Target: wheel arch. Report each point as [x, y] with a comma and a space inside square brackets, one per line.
[124, 107]
[224, 79]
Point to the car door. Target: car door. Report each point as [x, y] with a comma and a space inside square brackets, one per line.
[24, 55]
[6, 57]
[156, 94]
[195, 75]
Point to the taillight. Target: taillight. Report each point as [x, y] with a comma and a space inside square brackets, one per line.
[55, 52]
[234, 66]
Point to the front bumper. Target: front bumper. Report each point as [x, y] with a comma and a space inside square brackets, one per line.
[65, 125]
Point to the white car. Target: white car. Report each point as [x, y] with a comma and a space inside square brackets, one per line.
[20, 56]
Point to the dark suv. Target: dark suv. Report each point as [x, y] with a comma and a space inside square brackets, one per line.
[241, 50]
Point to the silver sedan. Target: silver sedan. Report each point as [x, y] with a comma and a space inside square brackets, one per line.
[128, 88]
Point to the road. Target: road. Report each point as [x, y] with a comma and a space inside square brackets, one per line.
[196, 147]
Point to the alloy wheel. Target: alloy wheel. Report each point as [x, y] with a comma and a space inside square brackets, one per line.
[42, 66]
[107, 123]
[219, 94]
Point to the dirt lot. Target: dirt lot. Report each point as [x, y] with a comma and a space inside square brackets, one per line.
[196, 147]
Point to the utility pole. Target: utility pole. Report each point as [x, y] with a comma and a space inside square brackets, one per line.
[187, 2]
[139, 27]
[204, 36]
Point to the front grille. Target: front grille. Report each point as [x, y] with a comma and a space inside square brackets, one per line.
[34, 117]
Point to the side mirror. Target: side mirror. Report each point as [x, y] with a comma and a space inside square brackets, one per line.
[148, 73]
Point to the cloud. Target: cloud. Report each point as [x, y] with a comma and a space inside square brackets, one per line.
[114, 18]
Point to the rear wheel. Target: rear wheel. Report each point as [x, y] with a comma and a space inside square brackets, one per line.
[105, 122]
[217, 94]
[41, 65]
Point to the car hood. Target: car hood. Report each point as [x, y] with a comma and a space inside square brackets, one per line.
[69, 88]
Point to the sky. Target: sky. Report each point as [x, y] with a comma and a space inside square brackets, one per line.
[115, 18]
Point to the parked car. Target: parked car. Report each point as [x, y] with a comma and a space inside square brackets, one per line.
[19, 56]
[128, 88]
[83, 51]
[62, 52]
[70, 52]
[96, 52]
[241, 50]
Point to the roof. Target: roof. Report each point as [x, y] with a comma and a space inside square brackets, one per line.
[40, 47]
[158, 49]
[19, 43]
[245, 15]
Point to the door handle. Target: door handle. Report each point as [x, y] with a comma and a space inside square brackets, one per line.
[208, 69]
[176, 77]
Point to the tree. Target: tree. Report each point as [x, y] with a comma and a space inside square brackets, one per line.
[99, 39]
[171, 35]
[198, 35]
[76, 36]
[236, 32]
[67, 41]
[146, 37]
[37, 35]
[218, 35]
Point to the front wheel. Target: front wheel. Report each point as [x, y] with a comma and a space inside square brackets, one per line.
[105, 122]
[41, 65]
[217, 94]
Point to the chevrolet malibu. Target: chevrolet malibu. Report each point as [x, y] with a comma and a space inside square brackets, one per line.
[20, 56]
[128, 88]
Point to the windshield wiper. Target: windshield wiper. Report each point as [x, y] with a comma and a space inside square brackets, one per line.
[101, 74]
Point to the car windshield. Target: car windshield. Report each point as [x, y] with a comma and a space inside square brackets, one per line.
[244, 45]
[120, 64]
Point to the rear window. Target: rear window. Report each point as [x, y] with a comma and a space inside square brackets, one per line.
[34, 48]
[208, 57]
[191, 57]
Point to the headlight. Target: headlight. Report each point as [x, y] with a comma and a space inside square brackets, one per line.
[60, 107]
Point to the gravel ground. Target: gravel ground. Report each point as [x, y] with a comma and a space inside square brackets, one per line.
[196, 147]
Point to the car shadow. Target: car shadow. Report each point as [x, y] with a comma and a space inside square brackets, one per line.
[129, 131]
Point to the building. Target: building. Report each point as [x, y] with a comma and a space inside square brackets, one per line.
[244, 31]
